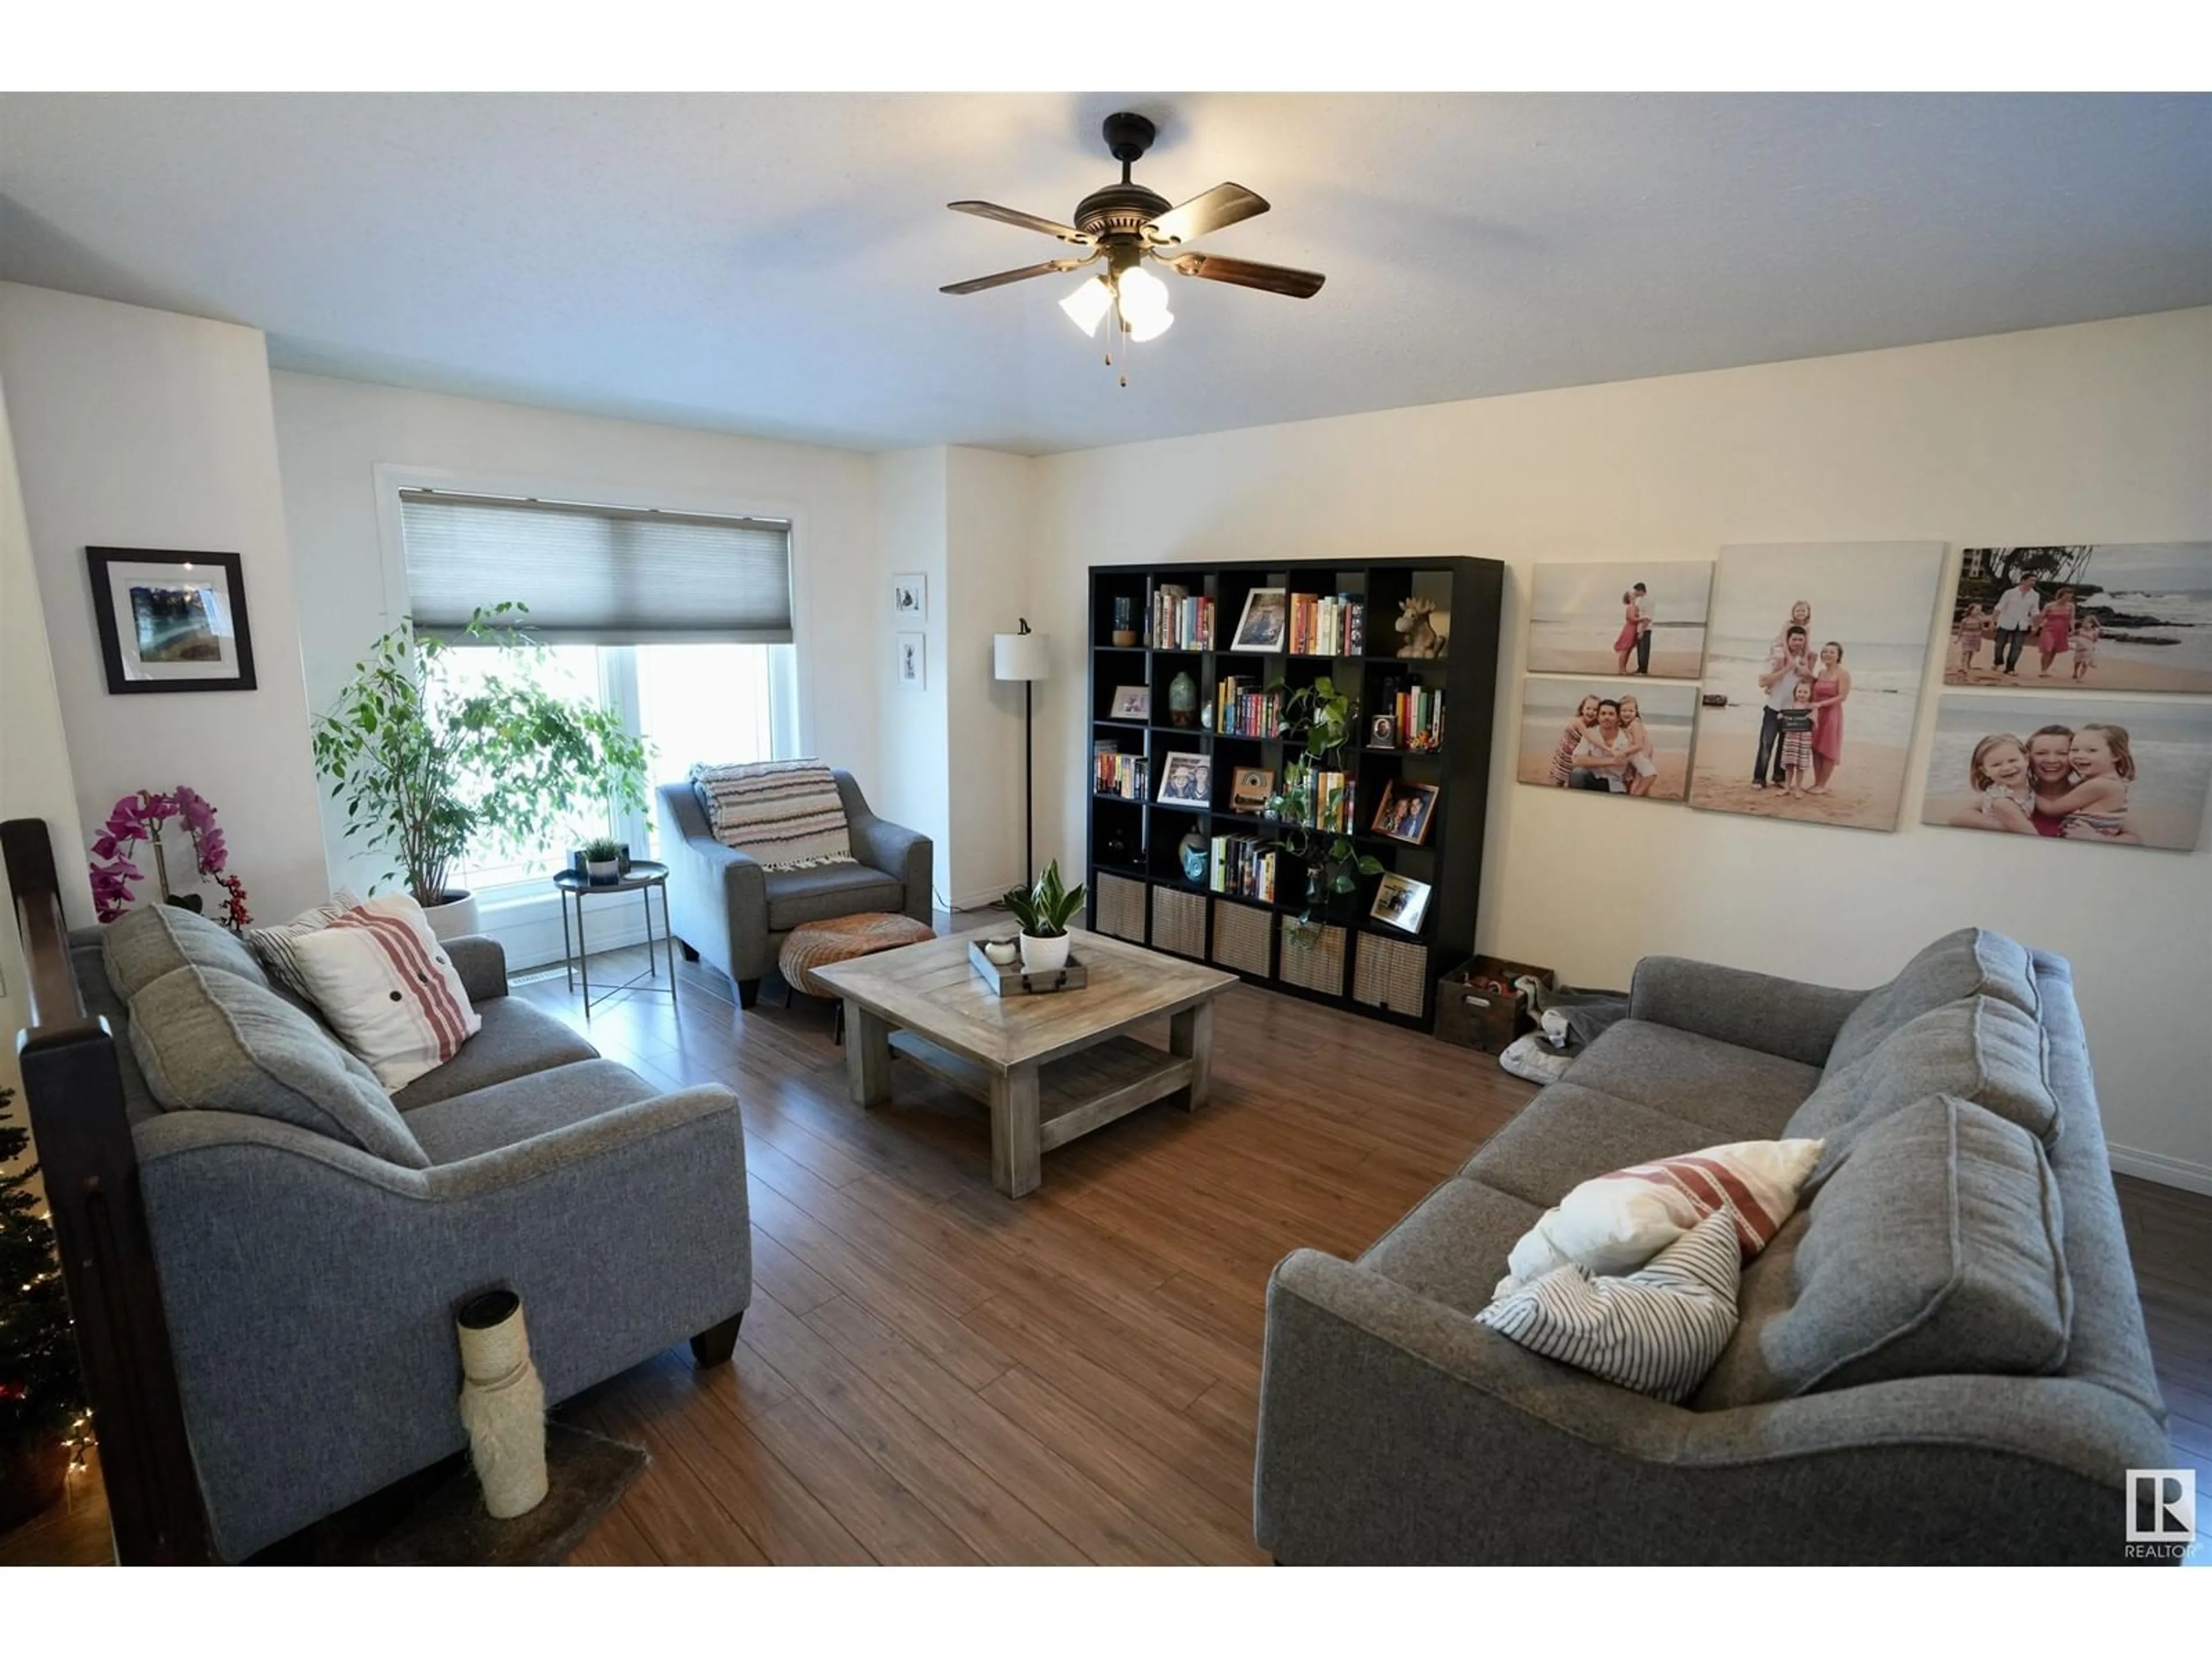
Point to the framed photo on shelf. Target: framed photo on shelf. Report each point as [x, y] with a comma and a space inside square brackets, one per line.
[1249, 789]
[910, 597]
[1405, 811]
[911, 666]
[1264, 623]
[1131, 702]
[171, 622]
[1186, 779]
[1402, 901]
[1383, 731]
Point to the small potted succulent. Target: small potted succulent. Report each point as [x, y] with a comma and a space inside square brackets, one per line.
[1043, 911]
[603, 859]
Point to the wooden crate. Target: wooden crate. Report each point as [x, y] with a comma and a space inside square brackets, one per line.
[1390, 972]
[1477, 1018]
[1122, 908]
[1240, 937]
[1316, 964]
[1179, 922]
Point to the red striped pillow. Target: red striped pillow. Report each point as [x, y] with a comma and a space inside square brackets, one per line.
[387, 988]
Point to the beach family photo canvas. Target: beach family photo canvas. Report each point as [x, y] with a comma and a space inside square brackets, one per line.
[2106, 771]
[1642, 618]
[171, 622]
[1628, 737]
[2119, 617]
[1814, 653]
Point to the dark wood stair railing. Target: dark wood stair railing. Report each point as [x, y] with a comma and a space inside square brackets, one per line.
[73, 1087]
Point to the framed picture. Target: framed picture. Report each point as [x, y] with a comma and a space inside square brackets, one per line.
[910, 597]
[1383, 731]
[1186, 779]
[1402, 901]
[1262, 626]
[1610, 736]
[1131, 702]
[1249, 789]
[1642, 618]
[1405, 811]
[1839, 629]
[2094, 771]
[2122, 617]
[171, 622]
[913, 668]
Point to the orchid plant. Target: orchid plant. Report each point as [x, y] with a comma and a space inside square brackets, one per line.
[138, 819]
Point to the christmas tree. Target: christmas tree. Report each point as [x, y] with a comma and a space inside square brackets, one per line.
[41, 1398]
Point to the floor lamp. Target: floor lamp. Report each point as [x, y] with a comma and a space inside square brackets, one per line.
[1025, 657]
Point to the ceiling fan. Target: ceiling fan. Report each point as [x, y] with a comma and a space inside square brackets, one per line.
[1125, 225]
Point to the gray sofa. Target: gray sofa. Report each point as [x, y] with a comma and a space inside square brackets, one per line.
[1393, 1428]
[310, 1284]
[728, 909]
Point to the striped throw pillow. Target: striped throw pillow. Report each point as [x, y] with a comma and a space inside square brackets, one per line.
[273, 944]
[1657, 1331]
[387, 988]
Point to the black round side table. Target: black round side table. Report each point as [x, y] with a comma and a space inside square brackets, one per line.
[642, 877]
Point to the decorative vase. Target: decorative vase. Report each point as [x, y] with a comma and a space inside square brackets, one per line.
[1043, 956]
[1183, 700]
[1194, 852]
[1005, 952]
[455, 916]
[502, 1404]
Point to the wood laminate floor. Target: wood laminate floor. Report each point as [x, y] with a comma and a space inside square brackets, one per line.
[932, 1373]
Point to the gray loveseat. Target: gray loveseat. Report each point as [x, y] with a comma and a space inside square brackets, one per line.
[309, 1284]
[2006, 1391]
[730, 910]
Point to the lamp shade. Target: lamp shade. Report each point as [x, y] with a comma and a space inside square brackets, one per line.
[1021, 656]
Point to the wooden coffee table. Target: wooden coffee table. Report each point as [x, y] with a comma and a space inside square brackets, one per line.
[1051, 1067]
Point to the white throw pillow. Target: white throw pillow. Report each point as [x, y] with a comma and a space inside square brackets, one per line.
[273, 944]
[1657, 1331]
[1615, 1222]
[387, 988]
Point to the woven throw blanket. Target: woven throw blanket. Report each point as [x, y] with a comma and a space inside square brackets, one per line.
[785, 814]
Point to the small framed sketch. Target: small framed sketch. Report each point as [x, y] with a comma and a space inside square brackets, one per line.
[910, 597]
[913, 668]
[1402, 901]
[1249, 789]
[1406, 810]
[1186, 779]
[1131, 702]
[171, 622]
[1262, 626]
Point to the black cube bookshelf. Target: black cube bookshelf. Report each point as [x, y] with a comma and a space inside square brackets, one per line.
[1137, 888]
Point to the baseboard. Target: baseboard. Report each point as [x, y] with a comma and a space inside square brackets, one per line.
[2166, 1171]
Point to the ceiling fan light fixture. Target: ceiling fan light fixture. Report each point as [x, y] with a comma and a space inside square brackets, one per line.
[1144, 304]
[1087, 306]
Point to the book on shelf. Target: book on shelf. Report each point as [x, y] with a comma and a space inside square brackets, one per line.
[1182, 620]
[1245, 867]
[1242, 709]
[1119, 774]
[1420, 714]
[1319, 800]
[1327, 625]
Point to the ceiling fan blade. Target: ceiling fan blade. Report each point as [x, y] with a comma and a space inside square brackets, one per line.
[977, 284]
[1245, 273]
[1007, 215]
[1225, 204]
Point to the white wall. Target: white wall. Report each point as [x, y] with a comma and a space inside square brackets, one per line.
[990, 542]
[333, 435]
[143, 429]
[2101, 432]
[911, 488]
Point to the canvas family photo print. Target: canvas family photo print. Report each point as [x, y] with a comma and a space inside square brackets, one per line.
[1645, 619]
[1627, 738]
[2120, 617]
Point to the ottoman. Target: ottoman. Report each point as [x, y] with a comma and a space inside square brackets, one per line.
[841, 939]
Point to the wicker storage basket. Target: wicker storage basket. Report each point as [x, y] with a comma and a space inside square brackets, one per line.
[1390, 972]
[1240, 937]
[1315, 963]
[1179, 922]
[1122, 908]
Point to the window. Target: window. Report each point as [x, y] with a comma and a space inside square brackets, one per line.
[679, 622]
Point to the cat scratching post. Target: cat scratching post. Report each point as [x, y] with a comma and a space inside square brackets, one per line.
[502, 1404]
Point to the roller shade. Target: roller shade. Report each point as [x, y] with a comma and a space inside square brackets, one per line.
[596, 575]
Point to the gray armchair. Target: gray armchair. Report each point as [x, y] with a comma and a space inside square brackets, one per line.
[728, 909]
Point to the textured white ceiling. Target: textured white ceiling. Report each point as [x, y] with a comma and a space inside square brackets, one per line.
[769, 263]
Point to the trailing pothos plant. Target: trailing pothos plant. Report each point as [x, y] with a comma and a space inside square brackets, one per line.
[1319, 719]
[431, 765]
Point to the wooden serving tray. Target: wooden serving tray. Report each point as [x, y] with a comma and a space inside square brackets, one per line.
[1012, 982]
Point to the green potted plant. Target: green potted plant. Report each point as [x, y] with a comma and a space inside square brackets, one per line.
[1320, 718]
[431, 766]
[603, 859]
[1043, 910]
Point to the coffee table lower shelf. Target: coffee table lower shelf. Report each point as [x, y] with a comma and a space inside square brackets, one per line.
[1082, 1092]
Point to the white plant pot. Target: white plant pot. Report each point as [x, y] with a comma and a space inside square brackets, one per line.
[1043, 956]
[456, 916]
[604, 870]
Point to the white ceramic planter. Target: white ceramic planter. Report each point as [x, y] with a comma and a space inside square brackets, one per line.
[605, 870]
[456, 916]
[1043, 956]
